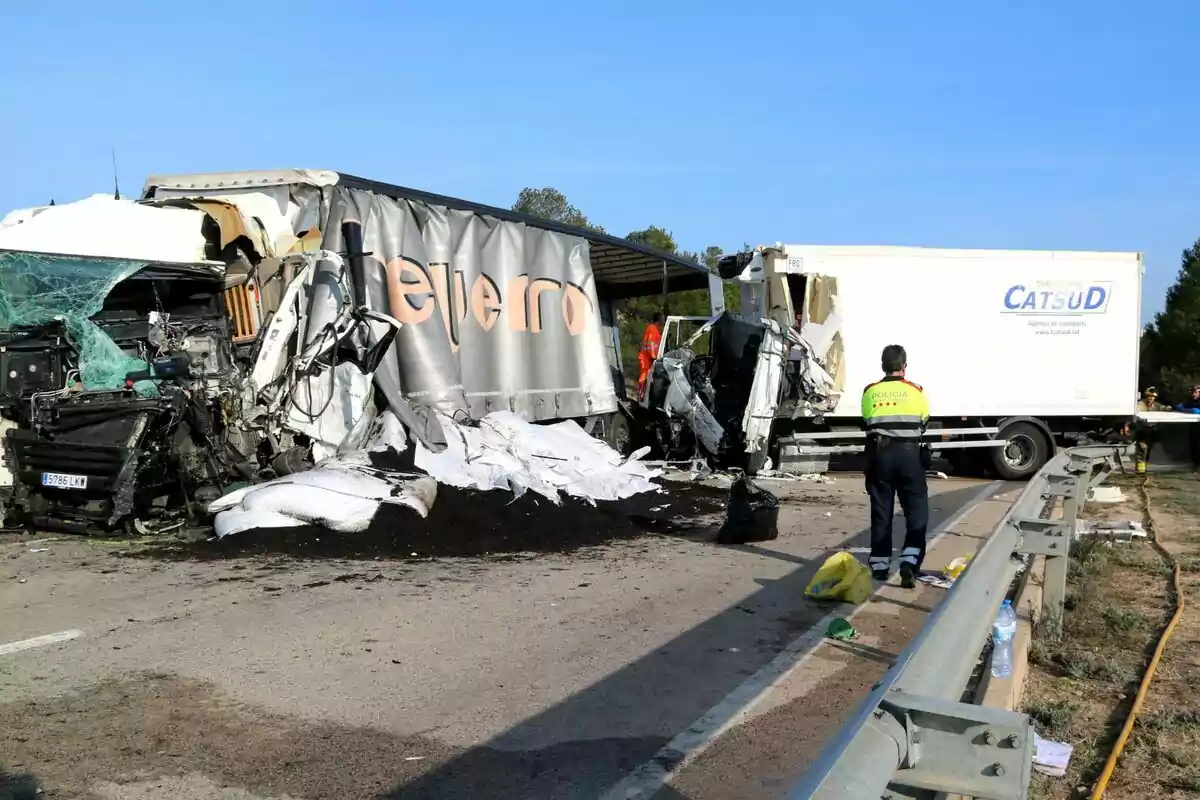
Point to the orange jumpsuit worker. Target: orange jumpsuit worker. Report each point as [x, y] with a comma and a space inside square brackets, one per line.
[651, 339]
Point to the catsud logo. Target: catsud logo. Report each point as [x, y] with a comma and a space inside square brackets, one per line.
[1058, 298]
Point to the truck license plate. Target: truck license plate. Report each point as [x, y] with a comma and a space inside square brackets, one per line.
[61, 480]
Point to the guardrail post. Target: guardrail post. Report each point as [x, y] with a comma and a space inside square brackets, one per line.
[1054, 585]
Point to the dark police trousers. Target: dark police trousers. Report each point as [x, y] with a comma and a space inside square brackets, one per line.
[895, 468]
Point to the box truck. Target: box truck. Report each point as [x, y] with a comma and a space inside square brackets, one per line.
[1017, 351]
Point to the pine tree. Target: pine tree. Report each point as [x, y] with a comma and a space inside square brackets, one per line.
[1170, 357]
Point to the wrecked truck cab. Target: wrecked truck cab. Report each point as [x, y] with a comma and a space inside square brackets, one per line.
[109, 416]
[175, 391]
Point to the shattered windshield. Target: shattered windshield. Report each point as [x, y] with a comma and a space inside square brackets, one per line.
[38, 288]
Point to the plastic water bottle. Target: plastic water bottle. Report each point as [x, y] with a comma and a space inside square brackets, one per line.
[1003, 630]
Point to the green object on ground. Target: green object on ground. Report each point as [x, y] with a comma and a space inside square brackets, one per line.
[841, 630]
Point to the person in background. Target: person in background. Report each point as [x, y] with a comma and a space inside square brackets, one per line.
[895, 413]
[1149, 401]
[651, 339]
[1144, 432]
[1192, 404]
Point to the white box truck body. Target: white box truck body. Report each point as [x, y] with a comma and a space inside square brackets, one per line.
[1017, 342]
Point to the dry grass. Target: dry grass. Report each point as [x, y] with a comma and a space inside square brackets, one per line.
[1081, 688]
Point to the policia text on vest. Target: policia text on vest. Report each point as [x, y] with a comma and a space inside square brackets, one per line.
[896, 412]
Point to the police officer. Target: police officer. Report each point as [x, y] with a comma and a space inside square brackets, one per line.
[896, 412]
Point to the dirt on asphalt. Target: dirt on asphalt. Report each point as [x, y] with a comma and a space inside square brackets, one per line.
[466, 523]
[158, 734]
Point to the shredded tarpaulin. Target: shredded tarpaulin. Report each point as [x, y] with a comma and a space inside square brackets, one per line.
[507, 452]
[337, 495]
[342, 493]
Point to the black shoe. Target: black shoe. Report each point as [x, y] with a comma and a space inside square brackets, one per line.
[908, 576]
[880, 575]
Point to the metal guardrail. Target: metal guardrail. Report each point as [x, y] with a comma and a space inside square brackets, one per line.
[914, 737]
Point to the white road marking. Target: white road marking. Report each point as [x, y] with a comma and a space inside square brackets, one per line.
[39, 641]
[651, 776]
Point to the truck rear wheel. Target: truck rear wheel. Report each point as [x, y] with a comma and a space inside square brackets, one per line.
[1025, 451]
[617, 433]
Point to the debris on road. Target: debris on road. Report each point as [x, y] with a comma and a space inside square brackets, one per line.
[752, 514]
[1115, 530]
[842, 577]
[1051, 758]
[841, 630]
[509, 453]
[956, 566]
[1106, 494]
[937, 581]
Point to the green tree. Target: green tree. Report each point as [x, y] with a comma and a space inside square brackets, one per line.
[1170, 357]
[549, 203]
[656, 237]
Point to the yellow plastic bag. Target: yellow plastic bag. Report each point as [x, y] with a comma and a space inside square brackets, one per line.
[956, 567]
[841, 577]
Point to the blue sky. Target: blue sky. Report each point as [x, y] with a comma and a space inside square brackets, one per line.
[1066, 125]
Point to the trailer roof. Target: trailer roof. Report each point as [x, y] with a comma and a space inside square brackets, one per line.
[622, 268]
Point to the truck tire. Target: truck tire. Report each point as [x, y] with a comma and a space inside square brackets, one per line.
[1025, 452]
[617, 433]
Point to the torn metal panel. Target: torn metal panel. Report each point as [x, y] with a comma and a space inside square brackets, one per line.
[328, 406]
[822, 333]
[684, 401]
[274, 350]
[765, 393]
[238, 221]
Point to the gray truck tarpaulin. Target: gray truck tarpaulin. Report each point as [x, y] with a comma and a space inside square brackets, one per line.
[497, 315]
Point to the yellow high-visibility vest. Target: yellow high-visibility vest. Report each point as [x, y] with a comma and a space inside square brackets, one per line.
[895, 407]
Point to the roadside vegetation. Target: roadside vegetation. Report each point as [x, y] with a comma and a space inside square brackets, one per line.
[1119, 597]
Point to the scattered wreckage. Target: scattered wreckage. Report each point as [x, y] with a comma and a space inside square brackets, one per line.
[296, 348]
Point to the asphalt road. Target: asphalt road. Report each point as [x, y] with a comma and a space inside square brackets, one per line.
[661, 665]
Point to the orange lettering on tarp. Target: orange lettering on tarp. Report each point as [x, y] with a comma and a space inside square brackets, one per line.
[517, 305]
[485, 302]
[410, 295]
[439, 274]
[576, 308]
[415, 290]
[535, 301]
[460, 298]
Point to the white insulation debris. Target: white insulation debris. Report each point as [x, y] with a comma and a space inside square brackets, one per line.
[506, 452]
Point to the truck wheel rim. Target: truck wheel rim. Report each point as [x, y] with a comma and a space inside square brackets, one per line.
[1020, 450]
